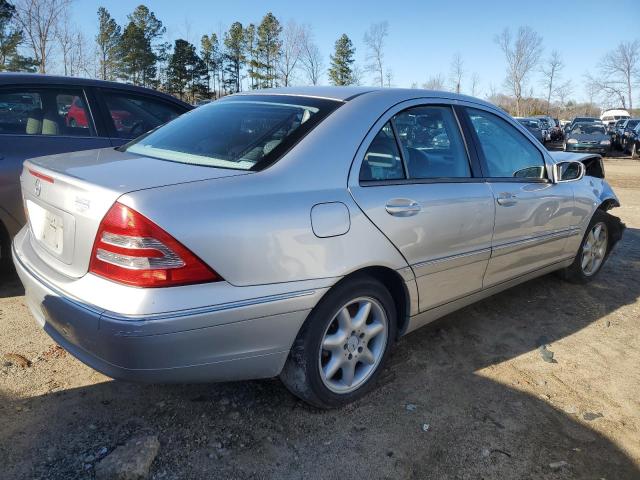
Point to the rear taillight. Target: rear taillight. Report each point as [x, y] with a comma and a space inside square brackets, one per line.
[131, 249]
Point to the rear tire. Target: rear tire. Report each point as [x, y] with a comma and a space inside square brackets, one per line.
[594, 250]
[343, 344]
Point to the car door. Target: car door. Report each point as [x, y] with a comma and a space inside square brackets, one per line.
[416, 181]
[534, 217]
[33, 123]
[129, 115]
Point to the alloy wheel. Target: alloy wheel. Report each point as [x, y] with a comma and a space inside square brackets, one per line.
[594, 249]
[353, 345]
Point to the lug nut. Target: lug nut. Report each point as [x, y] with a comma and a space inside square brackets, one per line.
[350, 356]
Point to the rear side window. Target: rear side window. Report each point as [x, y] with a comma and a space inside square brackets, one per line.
[242, 132]
[508, 153]
[133, 115]
[45, 112]
[382, 160]
[432, 144]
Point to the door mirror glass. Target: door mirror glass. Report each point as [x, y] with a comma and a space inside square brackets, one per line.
[569, 171]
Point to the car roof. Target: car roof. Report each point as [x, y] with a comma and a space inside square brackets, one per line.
[44, 79]
[346, 94]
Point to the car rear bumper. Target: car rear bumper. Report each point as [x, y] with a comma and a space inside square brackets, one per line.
[232, 342]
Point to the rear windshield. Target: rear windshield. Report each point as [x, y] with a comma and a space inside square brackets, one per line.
[244, 132]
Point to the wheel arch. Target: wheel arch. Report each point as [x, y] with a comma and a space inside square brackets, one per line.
[393, 282]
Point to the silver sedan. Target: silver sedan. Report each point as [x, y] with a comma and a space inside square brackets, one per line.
[299, 233]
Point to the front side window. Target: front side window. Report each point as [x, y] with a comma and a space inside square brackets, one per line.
[243, 132]
[432, 144]
[45, 112]
[133, 115]
[382, 160]
[508, 153]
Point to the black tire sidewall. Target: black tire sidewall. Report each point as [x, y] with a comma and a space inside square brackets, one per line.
[315, 327]
[574, 272]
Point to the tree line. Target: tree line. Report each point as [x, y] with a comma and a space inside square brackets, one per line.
[270, 53]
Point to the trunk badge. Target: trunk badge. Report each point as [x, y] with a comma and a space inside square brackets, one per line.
[37, 187]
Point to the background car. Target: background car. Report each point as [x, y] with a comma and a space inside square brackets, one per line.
[533, 125]
[609, 117]
[554, 132]
[48, 114]
[625, 132]
[588, 137]
[633, 142]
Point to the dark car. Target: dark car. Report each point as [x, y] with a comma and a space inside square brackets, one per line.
[633, 142]
[534, 126]
[626, 131]
[580, 120]
[615, 136]
[42, 115]
[588, 137]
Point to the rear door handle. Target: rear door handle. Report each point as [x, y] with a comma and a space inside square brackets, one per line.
[402, 207]
[506, 199]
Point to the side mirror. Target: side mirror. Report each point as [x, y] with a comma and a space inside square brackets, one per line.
[568, 171]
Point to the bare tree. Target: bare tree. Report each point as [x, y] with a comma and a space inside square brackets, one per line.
[551, 71]
[388, 78]
[435, 82]
[563, 91]
[620, 68]
[607, 90]
[38, 20]
[374, 39]
[292, 36]
[475, 82]
[310, 57]
[66, 38]
[522, 54]
[457, 72]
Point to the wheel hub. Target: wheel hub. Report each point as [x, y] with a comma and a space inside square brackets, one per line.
[352, 343]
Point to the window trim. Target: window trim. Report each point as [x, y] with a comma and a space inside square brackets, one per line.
[36, 88]
[480, 153]
[472, 160]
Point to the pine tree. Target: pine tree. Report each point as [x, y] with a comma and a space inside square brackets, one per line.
[108, 39]
[234, 56]
[251, 53]
[210, 55]
[185, 71]
[10, 40]
[138, 58]
[268, 49]
[341, 70]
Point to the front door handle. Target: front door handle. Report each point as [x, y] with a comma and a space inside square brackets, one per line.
[403, 207]
[506, 199]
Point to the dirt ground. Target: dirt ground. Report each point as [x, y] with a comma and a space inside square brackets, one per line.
[467, 397]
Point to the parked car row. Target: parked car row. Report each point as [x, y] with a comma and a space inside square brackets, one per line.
[591, 134]
[544, 128]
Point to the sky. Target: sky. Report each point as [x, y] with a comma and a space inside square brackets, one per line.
[423, 35]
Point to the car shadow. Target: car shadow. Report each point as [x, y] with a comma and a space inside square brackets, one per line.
[10, 283]
[437, 411]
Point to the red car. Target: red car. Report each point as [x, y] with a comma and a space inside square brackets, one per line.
[77, 117]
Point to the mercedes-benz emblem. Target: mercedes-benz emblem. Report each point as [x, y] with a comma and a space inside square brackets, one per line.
[37, 188]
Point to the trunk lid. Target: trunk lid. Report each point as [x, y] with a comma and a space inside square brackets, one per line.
[66, 196]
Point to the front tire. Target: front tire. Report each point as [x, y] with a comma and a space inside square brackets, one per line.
[343, 345]
[634, 151]
[593, 252]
